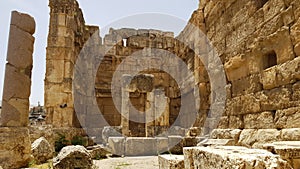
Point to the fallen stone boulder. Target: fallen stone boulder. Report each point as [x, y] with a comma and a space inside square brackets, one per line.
[72, 157]
[41, 150]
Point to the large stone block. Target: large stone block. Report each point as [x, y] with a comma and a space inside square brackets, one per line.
[15, 113]
[287, 118]
[23, 21]
[136, 146]
[162, 144]
[17, 39]
[224, 157]
[226, 134]
[275, 99]
[55, 71]
[175, 144]
[15, 147]
[290, 134]
[117, 145]
[256, 138]
[288, 150]
[264, 120]
[171, 161]
[16, 84]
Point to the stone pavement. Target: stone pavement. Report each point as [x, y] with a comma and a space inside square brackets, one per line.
[147, 162]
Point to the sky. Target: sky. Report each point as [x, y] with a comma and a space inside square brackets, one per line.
[165, 15]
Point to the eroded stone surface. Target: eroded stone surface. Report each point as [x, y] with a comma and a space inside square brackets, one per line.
[231, 157]
[41, 150]
[15, 147]
[171, 161]
[73, 157]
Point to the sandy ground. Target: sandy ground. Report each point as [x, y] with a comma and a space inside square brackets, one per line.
[150, 162]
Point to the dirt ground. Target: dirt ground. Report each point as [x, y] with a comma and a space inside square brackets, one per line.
[149, 162]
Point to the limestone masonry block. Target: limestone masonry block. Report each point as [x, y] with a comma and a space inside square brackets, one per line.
[171, 161]
[224, 157]
[15, 147]
[23, 21]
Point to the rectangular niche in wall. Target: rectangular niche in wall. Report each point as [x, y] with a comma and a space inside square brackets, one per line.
[269, 60]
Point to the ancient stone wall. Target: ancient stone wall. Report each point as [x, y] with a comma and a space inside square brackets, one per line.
[123, 45]
[258, 43]
[67, 35]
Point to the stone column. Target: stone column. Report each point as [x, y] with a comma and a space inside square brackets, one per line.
[150, 114]
[15, 146]
[161, 108]
[125, 105]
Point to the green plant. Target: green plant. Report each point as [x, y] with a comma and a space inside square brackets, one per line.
[60, 142]
[78, 140]
[31, 163]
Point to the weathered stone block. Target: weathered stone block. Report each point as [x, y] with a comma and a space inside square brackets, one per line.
[15, 113]
[256, 138]
[262, 120]
[41, 150]
[117, 145]
[269, 78]
[287, 118]
[135, 146]
[171, 161]
[17, 37]
[291, 134]
[175, 144]
[231, 157]
[15, 147]
[16, 84]
[235, 122]
[23, 21]
[55, 71]
[226, 134]
[288, 150]
[162, 144]
[73, 157]
[275, 99]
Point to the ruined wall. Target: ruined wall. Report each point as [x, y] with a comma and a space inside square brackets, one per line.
[67, 35]
[258, 43]
[121, 44]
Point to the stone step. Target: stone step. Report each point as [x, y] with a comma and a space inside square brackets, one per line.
[217, 142]
[288, 150]
[169, 161]
[224, 157]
